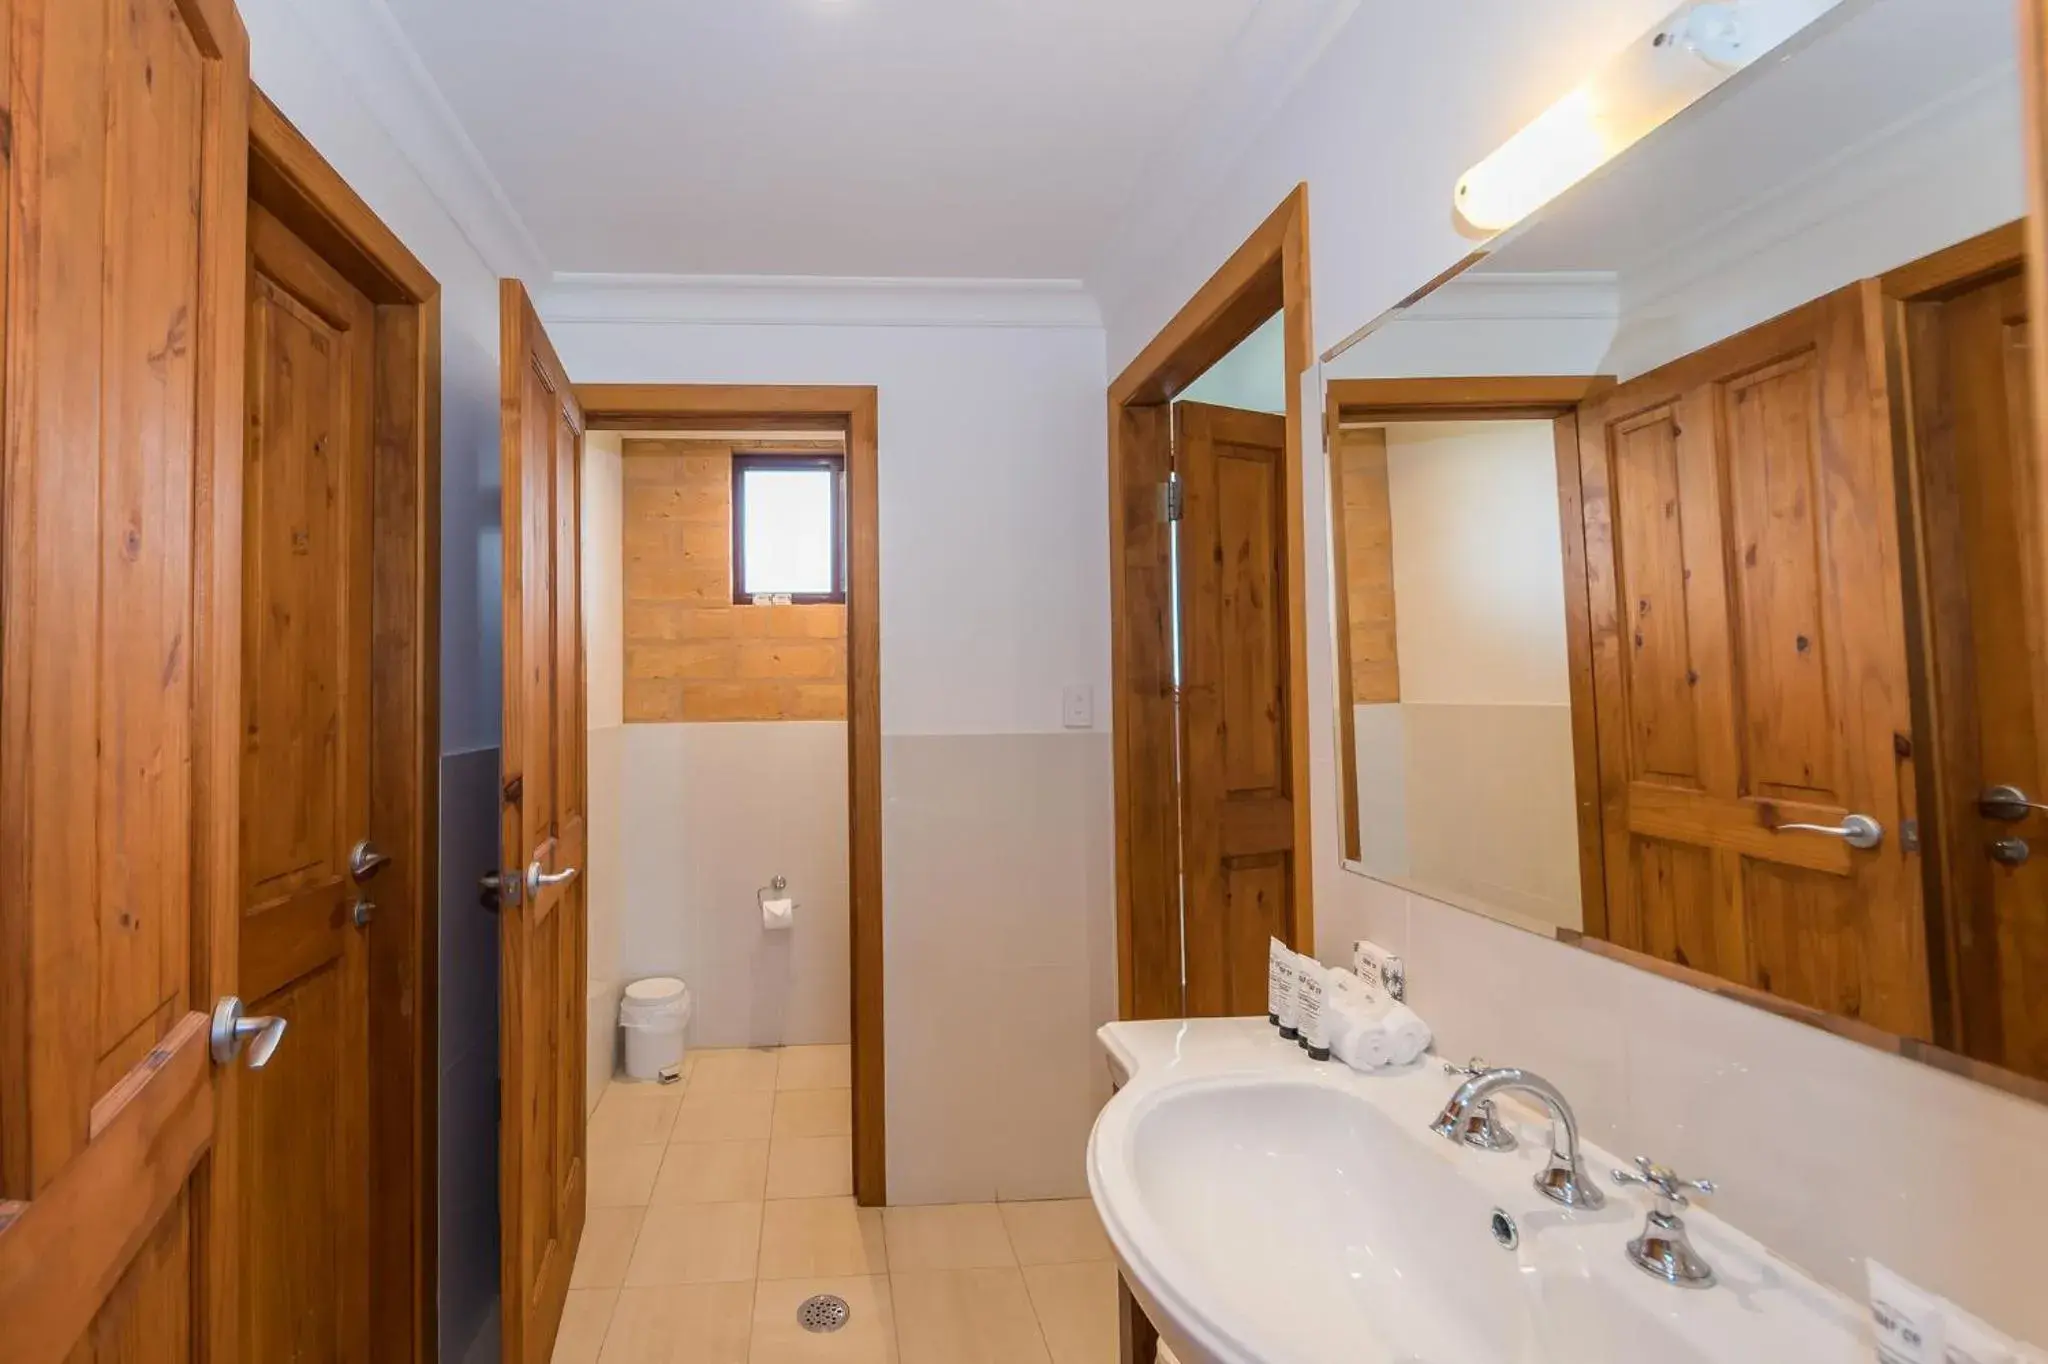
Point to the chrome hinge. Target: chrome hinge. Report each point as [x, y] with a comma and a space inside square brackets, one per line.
[1171, 500]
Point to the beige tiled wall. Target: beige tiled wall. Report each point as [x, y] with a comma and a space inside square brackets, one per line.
[1001, 962]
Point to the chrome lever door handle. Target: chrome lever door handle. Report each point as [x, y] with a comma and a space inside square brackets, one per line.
[1858, 831]
[364, 861]
[538, 880]
[231, 1029]
[2008, 803]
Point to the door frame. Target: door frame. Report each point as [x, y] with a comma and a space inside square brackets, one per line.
[1506, 398]
[852, 411]
[290, 179]
[1268, 274]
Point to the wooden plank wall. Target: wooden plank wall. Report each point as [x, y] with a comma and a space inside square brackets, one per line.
[691, 653]
[1369, 566]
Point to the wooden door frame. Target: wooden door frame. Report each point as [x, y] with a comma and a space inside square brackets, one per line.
[288, 177]
[1554, 399]
[852, 411]
[1268, 274]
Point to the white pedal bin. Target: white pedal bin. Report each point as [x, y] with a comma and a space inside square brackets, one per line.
[654, 1014]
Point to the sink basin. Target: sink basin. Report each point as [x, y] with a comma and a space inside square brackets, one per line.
[1266, 1209]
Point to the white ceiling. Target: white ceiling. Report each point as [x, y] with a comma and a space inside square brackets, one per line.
[939, 138]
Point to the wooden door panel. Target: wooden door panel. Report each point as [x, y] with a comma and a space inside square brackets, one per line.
[1237, 813]
[125, 160]
[1771, 461]
[302, 1123]
[305, 1277]
[1749, 667]
[542, 935]
[1650, 550]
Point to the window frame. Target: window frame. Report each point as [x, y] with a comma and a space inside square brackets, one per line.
[832, 462]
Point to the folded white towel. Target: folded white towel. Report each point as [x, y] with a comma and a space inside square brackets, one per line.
[1365, 1043]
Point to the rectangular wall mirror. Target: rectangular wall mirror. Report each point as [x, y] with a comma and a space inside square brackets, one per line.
[1689, 572]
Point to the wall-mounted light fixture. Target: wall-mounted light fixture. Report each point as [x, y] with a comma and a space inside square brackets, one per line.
[1691, 52]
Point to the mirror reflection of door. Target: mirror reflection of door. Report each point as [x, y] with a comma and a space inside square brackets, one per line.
[1800, 555]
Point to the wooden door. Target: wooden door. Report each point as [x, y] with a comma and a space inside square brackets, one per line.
[302, 1123]
[1967, 360]
[126, 164]
[1750, 668]
[1236, 814]
[542, 935]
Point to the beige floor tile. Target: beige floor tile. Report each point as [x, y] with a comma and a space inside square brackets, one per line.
[709, 1323]
[713, 1172]
[623, 1176]
[696, 1243]
[584, 1318]
[813, 1113]
[947, 1236]
[869, 1336]
[728, 1072]
[634, 1115]
[966, 1316]
[814, 1068]
[1057, 1233]
[804, 1238]
[1077, 1310]
[810, 1167]
[608, 1237]
[724, 1115]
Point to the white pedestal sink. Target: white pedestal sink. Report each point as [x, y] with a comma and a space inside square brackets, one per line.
[1267, 1209]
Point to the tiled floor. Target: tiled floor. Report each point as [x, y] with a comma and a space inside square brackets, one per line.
[720, 1204]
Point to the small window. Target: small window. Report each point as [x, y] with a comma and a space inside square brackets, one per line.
[787, 537]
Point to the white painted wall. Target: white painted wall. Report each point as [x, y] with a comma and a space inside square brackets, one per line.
[1467, 781]
[1478, 563]
[1402, 100]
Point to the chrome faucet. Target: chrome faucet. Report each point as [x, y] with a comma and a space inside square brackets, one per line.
[1563, 1178]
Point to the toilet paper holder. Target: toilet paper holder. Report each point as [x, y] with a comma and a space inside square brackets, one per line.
[773, 891]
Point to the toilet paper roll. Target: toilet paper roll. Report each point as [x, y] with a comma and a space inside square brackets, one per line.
[777, 915]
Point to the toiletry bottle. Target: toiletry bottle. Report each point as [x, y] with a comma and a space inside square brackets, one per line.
[1315, 1013]
[1279, 980]
[1308, 998]
[1290, 996]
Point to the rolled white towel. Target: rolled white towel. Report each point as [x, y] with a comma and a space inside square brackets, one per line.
[1410, 1035]
[1363, 1042]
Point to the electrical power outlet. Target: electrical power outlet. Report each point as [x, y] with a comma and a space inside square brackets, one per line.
[1077, 707]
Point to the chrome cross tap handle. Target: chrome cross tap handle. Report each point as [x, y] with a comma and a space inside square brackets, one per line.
[1483, 1130]
[1664, 1250]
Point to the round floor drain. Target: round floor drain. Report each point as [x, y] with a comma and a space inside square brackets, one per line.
[822, 1313]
